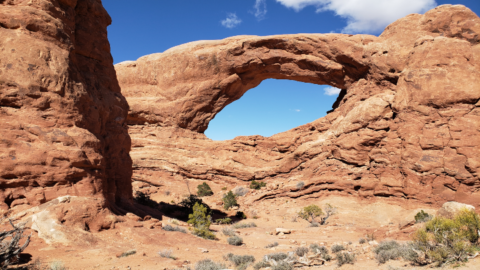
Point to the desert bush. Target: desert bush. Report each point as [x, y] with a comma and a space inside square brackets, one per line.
[274, 244]
[144, 199]
[223, 221]
[208, 264]
[240, 191]
[235, 240]
[445, 240]
[389, 250]
[167, 253]
[240, 261]
[337, 248]
[167, 192]
[422, 217]
[229, 200]
[10, 247]
[128, 253]
[362, 241]
[314, 224]
[261, 264]
[204, 190]
[316, 248]
[300, 185]
[282, 266]
[170, 228]
[224, 188]
[228, 231]
[244, 225]
[257, 184]
[301, 251]
[201, 222]
[370, 237]
[277, 256]
[344, 258]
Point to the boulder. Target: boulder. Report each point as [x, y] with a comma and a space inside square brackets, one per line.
[450, 209]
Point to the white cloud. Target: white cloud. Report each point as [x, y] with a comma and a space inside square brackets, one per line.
[331, 91]
[231, 21]
[260, 9]
[365, 15]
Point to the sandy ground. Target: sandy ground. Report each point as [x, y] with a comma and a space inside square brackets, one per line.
[355, 219]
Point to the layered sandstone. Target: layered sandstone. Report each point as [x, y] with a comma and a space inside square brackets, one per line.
[406, 124]
[63, 118]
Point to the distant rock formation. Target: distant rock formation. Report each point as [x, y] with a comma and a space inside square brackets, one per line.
[406, 124]
[62, 116]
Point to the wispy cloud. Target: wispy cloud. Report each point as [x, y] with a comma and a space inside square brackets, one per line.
[365, 15]
[260, 9]
[331, 91]
[231, 21]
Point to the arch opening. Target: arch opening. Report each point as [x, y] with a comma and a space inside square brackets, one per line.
[272, 107]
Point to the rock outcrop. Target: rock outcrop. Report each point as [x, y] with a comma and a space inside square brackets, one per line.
[406, 124]
[62, 116]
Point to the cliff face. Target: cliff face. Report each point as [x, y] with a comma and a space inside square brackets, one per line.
[63, 118]
[406, 125]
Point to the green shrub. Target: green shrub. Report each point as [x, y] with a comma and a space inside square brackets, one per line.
[244, 225]
[223, 221]
[229, 200]
[204, 190]
[344, 258]
[362, 241]
[257, 185]
[422, 217]
[191, 200]
[337, 248]
[235, 240]
[445, 240]
[208, 264]
[261, 264]
[201, 222]
[224, 188]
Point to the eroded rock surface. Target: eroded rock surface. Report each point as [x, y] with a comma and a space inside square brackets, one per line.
[406, 124]
[62, 116]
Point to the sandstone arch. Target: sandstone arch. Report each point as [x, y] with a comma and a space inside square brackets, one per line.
[406, 126]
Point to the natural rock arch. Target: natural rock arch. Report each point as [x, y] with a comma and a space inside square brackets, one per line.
[404, 127]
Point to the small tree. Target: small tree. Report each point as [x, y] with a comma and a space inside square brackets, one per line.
[229, 200]
[201, 221]
[10, 244]
[310, 212]
[204, 190]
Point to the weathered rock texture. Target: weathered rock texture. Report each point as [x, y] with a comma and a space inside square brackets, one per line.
[406, 124]
[62, 116]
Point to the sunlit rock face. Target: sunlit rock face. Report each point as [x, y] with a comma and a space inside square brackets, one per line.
[62, 116]
[406, 124]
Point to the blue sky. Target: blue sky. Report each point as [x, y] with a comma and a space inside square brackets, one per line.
[274, 106]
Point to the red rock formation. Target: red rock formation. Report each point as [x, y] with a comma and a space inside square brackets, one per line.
[62, 124]
[406, 125]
